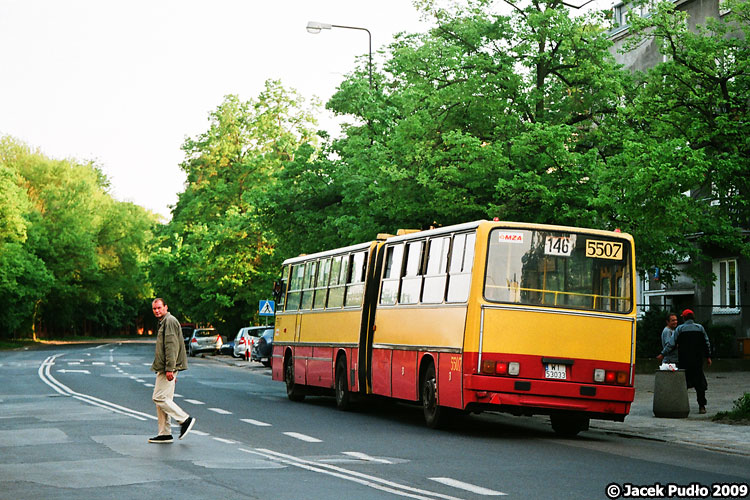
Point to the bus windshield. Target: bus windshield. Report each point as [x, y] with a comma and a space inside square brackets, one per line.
[559, 269]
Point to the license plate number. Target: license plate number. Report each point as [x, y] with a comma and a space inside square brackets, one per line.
[555, 371]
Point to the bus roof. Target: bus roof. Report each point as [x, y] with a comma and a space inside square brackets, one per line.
[335, 251]
[520, 225]
[454, 229]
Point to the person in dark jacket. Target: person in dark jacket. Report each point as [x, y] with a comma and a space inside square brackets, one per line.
[169, 359]
[692, 344]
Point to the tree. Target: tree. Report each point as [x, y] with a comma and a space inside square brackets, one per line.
[486, 115]
[75, 262]
[214, 260]
[686, 130]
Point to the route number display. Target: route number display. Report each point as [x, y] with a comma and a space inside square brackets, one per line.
[561, 246]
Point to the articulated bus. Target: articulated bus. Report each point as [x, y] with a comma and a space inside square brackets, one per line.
[483, 316]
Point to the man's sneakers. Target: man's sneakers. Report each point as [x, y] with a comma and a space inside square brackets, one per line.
[702, 410]
[167, 438]
[163, 439]
[186, 426]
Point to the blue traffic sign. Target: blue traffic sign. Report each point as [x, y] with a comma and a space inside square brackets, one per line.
[267, 308]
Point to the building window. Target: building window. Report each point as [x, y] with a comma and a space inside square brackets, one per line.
[726, 287]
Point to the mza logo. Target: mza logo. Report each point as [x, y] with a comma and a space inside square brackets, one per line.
[510, 237]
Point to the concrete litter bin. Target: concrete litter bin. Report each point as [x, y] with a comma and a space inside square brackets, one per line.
[670, 394]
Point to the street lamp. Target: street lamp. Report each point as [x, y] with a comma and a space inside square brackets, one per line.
[315, 28]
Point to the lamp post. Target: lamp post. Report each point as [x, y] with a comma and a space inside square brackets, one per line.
[315, 28]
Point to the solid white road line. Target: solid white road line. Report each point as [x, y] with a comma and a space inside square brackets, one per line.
[366, 457]
[219, 411]
[303, 437]
[349, 475]
[47, 378]
[255, 422]
[468, 487]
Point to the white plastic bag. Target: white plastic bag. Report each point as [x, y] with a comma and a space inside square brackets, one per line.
[671, 367]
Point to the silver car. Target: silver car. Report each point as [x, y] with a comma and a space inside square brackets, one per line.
[204, 340]
[246, 339]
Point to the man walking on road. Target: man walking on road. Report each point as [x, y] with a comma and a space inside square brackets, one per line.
[692, 344]
[169, 359]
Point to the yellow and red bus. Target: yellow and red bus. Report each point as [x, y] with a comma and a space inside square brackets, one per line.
[483, 316]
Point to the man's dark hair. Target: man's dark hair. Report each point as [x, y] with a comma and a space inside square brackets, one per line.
[159, 299]
[669, 316]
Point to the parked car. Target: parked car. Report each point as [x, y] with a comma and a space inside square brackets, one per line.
[204, 340]
[246, 339]
[187, 332]
[227, 347]
[263, 348]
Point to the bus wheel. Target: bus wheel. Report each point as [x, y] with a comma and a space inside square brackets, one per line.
[343, 398]
[568, 426]
[433, 414]
[293, 391]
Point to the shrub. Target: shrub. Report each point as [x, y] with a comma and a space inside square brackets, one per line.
[740, 411]
[722, 338]
[648, 333]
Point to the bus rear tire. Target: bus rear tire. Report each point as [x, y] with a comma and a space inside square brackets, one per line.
[293, 391]
[341, 387]
[568, 426]
[433, 413]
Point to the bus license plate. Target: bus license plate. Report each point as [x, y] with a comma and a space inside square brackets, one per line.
[555, 371]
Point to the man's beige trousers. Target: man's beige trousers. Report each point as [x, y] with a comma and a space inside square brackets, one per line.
[165, 405]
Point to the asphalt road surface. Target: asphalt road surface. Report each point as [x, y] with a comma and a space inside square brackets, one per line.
[75, 420]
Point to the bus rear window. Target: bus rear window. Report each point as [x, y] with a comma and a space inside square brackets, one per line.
[556, 269]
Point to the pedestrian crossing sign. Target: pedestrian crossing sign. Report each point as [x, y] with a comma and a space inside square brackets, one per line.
[267, 308]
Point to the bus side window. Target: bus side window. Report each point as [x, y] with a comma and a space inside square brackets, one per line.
[338, 279]
[279, 291]
[356, 284]
[411, 283]
[308, 285]
[295, 287]
[392, 274]
[321, 287]
[462, 257]
[437, 268]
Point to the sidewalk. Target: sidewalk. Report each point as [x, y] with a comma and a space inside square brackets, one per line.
[696, 430]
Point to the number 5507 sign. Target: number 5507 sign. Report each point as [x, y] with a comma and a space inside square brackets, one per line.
[604, 249]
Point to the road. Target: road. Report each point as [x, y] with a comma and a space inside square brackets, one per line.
[74, 424]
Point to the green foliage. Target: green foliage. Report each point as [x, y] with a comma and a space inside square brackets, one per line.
[740, 411]
[214, 260]
[687, 128]
[73, 258]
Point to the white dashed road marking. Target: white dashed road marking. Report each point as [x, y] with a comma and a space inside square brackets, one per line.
[219, 411]
[255, 422]
[194, 402]
[303, 437]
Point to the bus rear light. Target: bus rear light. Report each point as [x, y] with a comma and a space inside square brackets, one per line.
[488, 366]
[492, 367]
[610, 377]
